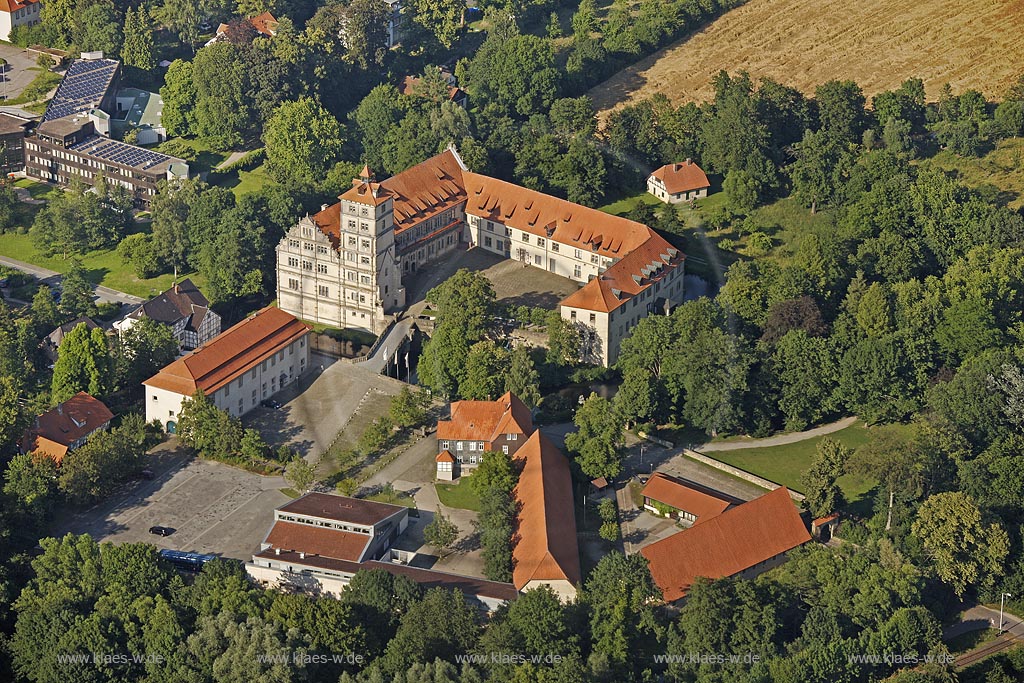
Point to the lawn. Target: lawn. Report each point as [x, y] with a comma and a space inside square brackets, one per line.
[623, 205]
[393, 497]
[103, 267]
[784, 464]
[198, 153]
[1002, 167]
[35, 188]
[970, 640]
[458, 495]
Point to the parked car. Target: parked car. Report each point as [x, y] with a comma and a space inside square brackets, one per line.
[161, 530]
[271, 403]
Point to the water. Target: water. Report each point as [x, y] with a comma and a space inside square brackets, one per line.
[696, 287]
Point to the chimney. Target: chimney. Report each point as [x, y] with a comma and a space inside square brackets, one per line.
[302, 556]
[60, 408]
[689, 162]
[277, 551]
[323, 207]
[177, 288]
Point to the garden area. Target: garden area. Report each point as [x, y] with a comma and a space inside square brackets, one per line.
[458, 494]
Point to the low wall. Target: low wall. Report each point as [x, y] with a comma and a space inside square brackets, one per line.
[737, 472]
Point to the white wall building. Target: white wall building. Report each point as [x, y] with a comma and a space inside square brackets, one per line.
[248, 363]
[17, 13]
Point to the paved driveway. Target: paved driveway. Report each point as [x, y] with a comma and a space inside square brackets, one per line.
[214, 508]
[20, 70]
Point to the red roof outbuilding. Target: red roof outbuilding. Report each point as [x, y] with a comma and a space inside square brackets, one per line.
[684, 177]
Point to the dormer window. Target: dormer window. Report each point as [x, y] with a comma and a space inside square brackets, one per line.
[513, 437]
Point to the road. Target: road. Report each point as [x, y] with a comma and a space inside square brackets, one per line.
[778, 440]
[52, 277]
[980, 617]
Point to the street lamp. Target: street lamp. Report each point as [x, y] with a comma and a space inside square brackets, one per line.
[1002, 597]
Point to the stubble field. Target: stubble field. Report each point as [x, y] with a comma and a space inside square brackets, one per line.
[802, 43]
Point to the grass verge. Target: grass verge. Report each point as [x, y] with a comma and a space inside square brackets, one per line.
[458, 495]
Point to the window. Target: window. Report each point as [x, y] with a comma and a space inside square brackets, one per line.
[294, 244]
[444, 445]
[307, 265]
[480, 446]
[155, 398]
[472, 445]
[487, 241]
[322, 290]
[504, 449]
[352, 240]
[321, 268]
[458, 445]
[554, 246]
[490, 226]
[526, 237]
[572, 314]
[293, 262]
[578, 253]
[540, 241]
[293, 283]
[365, 260]
[577, 270]
[366, 244]
[594, 258]
[513, 437]
[537, 259]
[593, 318]
[321, 249]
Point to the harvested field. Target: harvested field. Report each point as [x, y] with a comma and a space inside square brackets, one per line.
[802, 43]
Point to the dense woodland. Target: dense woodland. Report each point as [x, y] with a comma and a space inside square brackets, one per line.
[899, 302]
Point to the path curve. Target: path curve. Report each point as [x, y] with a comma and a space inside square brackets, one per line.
[778, 440]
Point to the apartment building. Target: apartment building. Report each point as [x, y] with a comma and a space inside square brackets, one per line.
[343, 266]
[17, 13]
[248, 363]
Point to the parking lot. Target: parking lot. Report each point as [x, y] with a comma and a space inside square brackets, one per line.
[213, 508]
[20, 71]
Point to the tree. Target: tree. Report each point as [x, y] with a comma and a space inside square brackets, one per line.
[564, 341]
[640, 399]
[965, 551]
[806, 374]
[598, 438]
[494, 473]
[171, 239]
[29, 479]
[440, 625]
[252, 447]
[408, 408]
[83, 364]
[522, 378]
[179, 96]
[742, 191]
[516, 72]
[10, 413]
[97, 28]
[366, 31]
[814, 171]
[819, 481]
[45, 315]
[441, 533]
[76, 292]
[620, 592]
[897, 461]
[875, 380]
[95, 470]
[137, 50]
[441, 18]
[841, 111]
[380, 111]
[300, 474]
[303, 142]
[141, 351]
[487, 366]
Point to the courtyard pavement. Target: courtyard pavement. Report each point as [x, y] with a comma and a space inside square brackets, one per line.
[20, 70]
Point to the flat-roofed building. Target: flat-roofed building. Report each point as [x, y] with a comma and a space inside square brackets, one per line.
[248, 363]
[13, 130]
[319, 541]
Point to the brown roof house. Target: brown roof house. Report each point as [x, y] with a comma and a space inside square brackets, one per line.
[51, 343]
[184, 308]
[241, 367]
[476, 427]
[319, 541]
[742, 541]
[675, 183]
[59, 431]
[688, 502]
[544, 546]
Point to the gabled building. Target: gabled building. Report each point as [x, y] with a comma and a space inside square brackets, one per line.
[260, 25]
[477, 427]
[185, 310]
[248, 363]
[51, 343]
[676, 183]
[545, 551]
[456, 95]
[57, 432]
[684, 500]
[742, 541]
[319, 541]
[343, 266]
[18, 13]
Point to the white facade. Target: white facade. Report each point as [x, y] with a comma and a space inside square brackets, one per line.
[243, 393]
[353, 284]
[29, 14]
[656, 187]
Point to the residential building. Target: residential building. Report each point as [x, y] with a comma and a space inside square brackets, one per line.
[184, 309]
[73, 141]
[52, 341]
[319, 541]
[13, 130]
[742, 541]
[684, 500]
[544, 550]
[455, 94]
[676, 183]
[17, 13]
[478, 427]
[248, 363]
[262, 25]
[395, 22]
[326, 263]
[59, 431]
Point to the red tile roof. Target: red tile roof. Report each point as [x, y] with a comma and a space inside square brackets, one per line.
[231, 353]
[265, 23]
[15, 5]
[486, 420]
[544, 545]
[341, 508]
[444, 456]
[340, 545]
[725, 545]
[683, 177]
[684, 495]
[74, 419]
